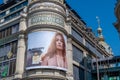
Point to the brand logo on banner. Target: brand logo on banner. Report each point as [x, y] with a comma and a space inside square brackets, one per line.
[46, 19]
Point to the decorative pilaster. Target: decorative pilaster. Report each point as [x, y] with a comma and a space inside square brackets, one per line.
[21, 48]
[69, 60]
[84, 42]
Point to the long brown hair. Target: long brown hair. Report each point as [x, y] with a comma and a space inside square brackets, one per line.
[52, 48]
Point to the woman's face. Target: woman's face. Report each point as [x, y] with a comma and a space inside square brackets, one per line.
[59, 42]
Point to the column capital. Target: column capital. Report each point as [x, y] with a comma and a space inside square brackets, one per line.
[23, 15]
[21, 36]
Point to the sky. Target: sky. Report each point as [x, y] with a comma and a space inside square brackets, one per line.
[104, 9]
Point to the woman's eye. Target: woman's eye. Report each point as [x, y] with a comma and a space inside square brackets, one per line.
[56, 39]
[61, 40]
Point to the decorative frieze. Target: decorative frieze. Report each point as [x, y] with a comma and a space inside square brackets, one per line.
[46, 18]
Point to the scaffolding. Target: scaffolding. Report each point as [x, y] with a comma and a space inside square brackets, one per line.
[106, 68]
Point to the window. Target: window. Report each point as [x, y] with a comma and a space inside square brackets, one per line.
[9, 50]
[78, 73]
[7, 18]
[7, 68]
[99, 54]
[12, 9]
[3, 33]
[89, 76]
[90, 46]
[1, 51]
[12, 67]
[15, 28]
[8, 31]
[25, 3]
[14, 48]
[18, 6]
[0, 35]
[13, 15]
[82, 74]
[77, 35]
[4, 69]
[78, 55]
[88, 61]
[7, 34]
[7, 59]
[93, 49]
[2, 14]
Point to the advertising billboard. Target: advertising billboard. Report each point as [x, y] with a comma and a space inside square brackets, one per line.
[46, 49]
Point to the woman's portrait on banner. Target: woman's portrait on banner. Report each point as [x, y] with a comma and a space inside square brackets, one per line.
[46, 49]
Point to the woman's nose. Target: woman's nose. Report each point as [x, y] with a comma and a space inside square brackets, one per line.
[59, 42]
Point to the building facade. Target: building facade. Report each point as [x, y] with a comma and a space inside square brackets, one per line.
[28, 29]
[117, 13]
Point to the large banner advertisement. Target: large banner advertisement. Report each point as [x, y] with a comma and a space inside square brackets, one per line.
[46, 49]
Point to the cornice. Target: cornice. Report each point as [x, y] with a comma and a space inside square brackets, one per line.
[46, 27]
[42, 1]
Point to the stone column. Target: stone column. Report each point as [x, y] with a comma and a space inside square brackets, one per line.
[85, 64]
[21, 49]
[69, 60]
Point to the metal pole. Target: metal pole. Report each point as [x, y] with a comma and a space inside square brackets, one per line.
[97, 69]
